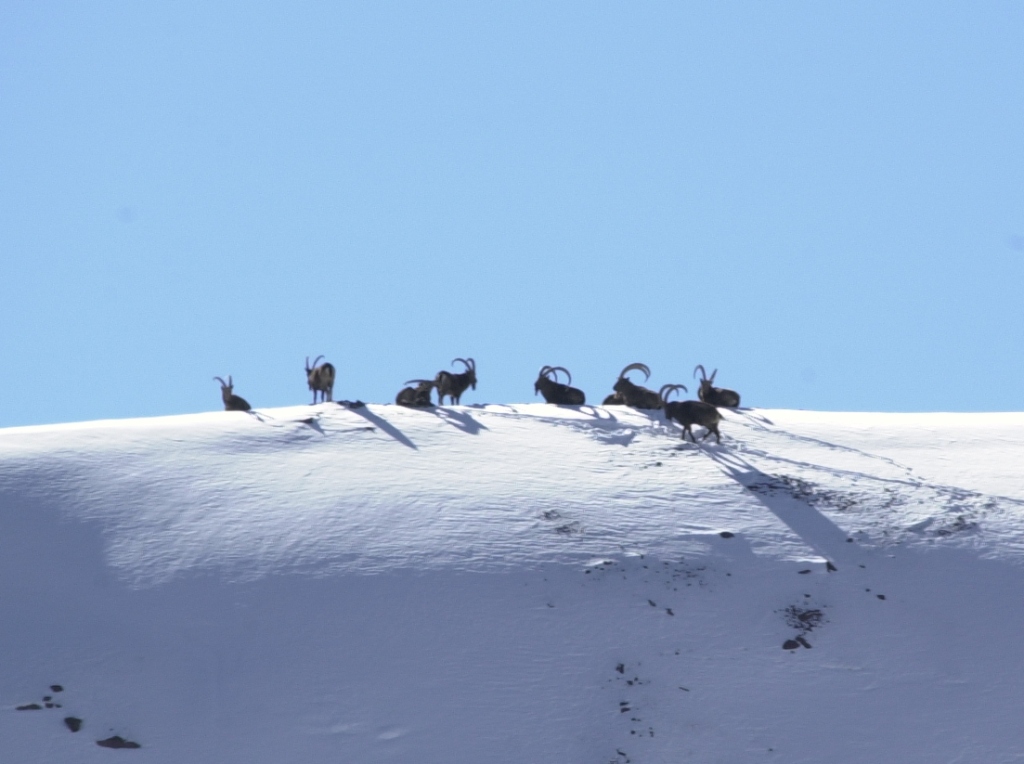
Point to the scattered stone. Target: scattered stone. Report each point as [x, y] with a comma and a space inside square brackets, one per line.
[117, 742]
[790, 644]
[726, 534]
[652, 603]
[29, 707]
[47, 698]
[880, 596]
[849, 541]
[49, 705]
[830, 567]
[803, 572]
[621, 668]
[73, 723]
[56, 688]
[804, 642]
[669, 611]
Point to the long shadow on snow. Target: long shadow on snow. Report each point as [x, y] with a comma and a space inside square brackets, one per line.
[814, 528]
[384, 425]
[460, 420]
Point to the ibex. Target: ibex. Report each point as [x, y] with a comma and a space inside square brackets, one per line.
[613, 400]
[321, 379]
[231, 402]
[454, 385]
[547, 384]
[716, 396]
[689, 413]
[416, 397]
[634, 395]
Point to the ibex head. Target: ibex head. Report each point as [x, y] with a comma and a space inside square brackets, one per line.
[623, 384]
[667, 390]
[470, 365]
[550, 373]
[226, 388]
[311, 369]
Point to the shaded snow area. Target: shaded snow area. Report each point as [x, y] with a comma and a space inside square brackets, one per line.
[520, 584]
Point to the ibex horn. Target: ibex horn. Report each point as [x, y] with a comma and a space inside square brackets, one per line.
[713, 375]
[419, 381]
[703, 374]
[639, 367]
[667, 390]
[222, 382]
[562, 368]
[463, 360]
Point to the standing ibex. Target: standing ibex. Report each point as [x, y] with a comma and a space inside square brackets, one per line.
[547, 384]
[454, 385]
[321, 379]
[689, 413]
[716, 396]
[231, 402]
[634, 395]
[416, 397]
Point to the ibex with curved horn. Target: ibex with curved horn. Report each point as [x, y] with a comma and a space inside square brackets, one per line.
[232, 402]
[416, 397]
[634, 395]
[716, 396]
[689, 413]
[454, 385]
[321, 379]
[547, 384]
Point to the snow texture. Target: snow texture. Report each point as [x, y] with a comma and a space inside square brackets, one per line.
[512, 583]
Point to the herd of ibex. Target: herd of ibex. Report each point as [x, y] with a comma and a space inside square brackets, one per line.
[451, 385]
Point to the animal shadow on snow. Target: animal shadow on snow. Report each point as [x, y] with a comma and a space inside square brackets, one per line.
[384, 425]
[813, 527]
[460, 420]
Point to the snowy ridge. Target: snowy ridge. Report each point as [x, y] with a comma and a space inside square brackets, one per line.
[514, 583]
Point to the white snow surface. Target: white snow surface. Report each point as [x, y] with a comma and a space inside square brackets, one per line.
[514, 583]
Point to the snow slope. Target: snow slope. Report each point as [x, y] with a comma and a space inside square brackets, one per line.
[522, 583]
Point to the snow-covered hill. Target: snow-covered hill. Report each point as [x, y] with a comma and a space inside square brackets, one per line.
[522, 583]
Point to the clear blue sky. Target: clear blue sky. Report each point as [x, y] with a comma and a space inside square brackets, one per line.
[823, 200]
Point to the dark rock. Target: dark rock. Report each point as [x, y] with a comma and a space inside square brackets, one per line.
[56, 688]
[830, 567]
[726, 534]
[652, 603]
[47, 698]
[790, 644]
[73, 723]
[621, 668]
[49, 705]
[880, 596]
[29, 707]
[669, 611]
[117, 742]
[803, 572]
[804, 642]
